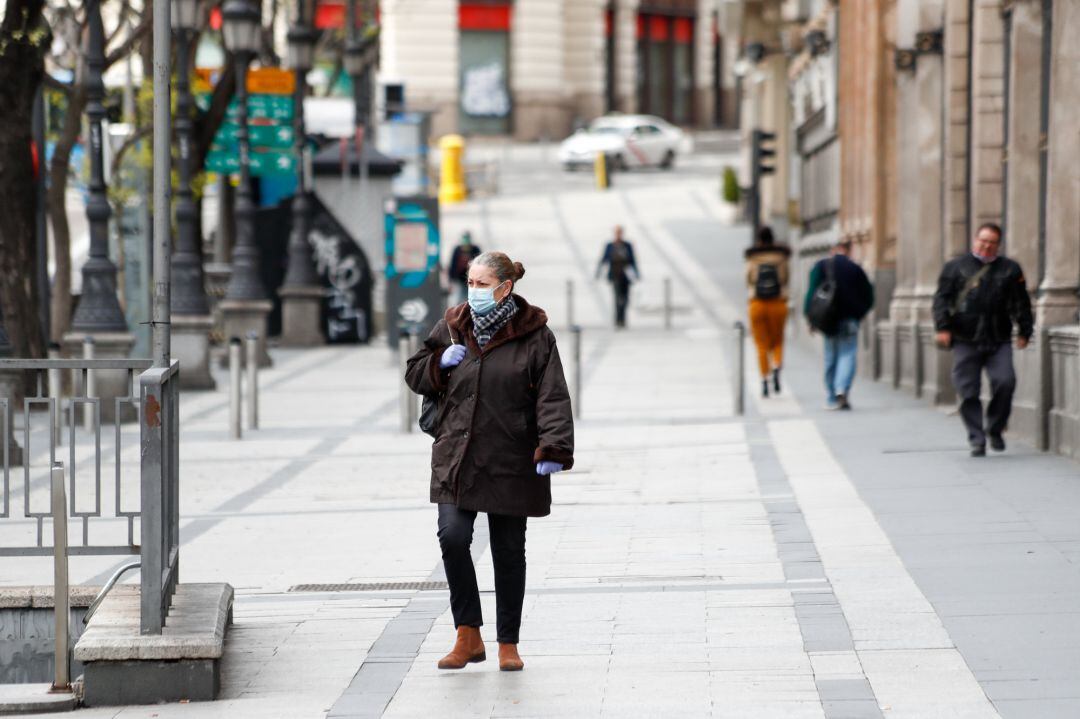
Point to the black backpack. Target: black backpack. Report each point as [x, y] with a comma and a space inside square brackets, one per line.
[767, 284]
[822, 314]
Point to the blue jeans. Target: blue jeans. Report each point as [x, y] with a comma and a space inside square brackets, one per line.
[841, 349]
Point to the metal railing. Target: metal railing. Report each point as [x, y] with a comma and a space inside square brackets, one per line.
[157, 407]
[160, 471]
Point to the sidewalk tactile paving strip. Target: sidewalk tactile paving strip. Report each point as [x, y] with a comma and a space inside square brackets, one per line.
[370, 587]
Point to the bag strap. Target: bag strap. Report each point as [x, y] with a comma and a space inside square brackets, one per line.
[970, 285]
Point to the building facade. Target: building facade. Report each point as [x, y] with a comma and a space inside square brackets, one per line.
[534, 69]
[948, 114]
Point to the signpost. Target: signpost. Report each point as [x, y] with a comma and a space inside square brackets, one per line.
[270, 125]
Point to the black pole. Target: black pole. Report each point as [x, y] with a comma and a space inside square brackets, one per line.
[99, 308]
[245, 282]
[301, 268]
[41, 228]
[189, 290]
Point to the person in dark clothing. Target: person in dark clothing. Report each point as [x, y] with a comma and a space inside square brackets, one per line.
[458, 270]
[504, 426]
[619, 258]
[854, 297]
[980, 295]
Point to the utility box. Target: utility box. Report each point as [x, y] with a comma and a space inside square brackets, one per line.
[414, 295]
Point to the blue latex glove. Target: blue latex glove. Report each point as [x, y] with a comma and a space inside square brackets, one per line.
[545, 468]
[452, 356]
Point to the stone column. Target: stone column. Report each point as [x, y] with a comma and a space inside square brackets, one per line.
[957, 55]
[1025, 82]
[899, 348]
[1058, 301]
[626, 54]
[987, 117]
[583, 57]
[932, 364]
[541, 102]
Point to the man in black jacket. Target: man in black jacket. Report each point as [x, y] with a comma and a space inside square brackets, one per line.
[619, 258]
[979, 297]
[854, 297]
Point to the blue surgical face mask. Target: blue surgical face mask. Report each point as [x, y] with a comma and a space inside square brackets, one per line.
[482, 299]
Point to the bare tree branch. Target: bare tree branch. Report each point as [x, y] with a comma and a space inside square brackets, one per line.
[124, 49]
[134, 138]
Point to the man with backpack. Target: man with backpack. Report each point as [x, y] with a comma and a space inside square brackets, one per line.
[838, 296]
[767, 284]
[980, 295]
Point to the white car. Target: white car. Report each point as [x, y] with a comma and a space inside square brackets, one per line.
[628, 141]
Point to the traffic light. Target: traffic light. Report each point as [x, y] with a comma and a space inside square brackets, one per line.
[764, 150]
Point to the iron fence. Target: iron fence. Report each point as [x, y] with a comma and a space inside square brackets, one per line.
[157, 463]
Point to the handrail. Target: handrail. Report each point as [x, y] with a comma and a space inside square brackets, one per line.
[105, 590]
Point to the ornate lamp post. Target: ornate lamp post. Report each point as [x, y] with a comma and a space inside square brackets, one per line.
[246, 304]
[191, 320]
[301, 293]
[99, 309]
[99, 315]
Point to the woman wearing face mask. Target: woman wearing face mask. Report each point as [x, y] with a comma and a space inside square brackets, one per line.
[504, 427]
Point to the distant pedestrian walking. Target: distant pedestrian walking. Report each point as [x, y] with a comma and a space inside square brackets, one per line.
[838, 296]
[619, 258]
[767, 283]
[458, 270]
[979, 297]
[504, 426]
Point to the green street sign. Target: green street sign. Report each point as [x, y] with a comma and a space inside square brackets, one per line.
[264, 107]
[263, 163]
[269, 136]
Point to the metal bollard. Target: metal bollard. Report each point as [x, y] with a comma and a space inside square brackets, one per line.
[406, 394]
[91, 389]
[57, 396]
[739, 380]
[575, 399]
[61, 597]
[569, 303]
[252, 351]
[667, 303]
[235, 388]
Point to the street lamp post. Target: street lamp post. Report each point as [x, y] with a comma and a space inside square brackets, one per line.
[246, 305]
[191, 321]
[99, 308]
[301, 293]
[99, 314]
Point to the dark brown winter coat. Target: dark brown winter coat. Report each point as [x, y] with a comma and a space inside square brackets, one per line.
[500, 412]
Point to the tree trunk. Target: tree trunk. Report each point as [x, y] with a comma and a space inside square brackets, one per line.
[57, 202]
[24, 39]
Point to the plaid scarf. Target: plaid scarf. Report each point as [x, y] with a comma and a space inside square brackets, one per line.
[487, 326]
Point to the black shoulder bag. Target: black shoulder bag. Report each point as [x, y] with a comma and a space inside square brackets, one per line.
[429, 410]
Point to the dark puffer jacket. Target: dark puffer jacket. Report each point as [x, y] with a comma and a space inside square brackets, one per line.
[501, 411]
[985, 313]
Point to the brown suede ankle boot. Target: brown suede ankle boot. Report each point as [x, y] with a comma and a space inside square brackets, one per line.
[469, 647]
[509, 659]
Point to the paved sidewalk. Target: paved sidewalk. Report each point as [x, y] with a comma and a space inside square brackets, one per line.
[695, 564]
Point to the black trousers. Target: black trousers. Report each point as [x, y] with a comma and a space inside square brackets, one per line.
[508, 553]
[622, 299]
[969, 361]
